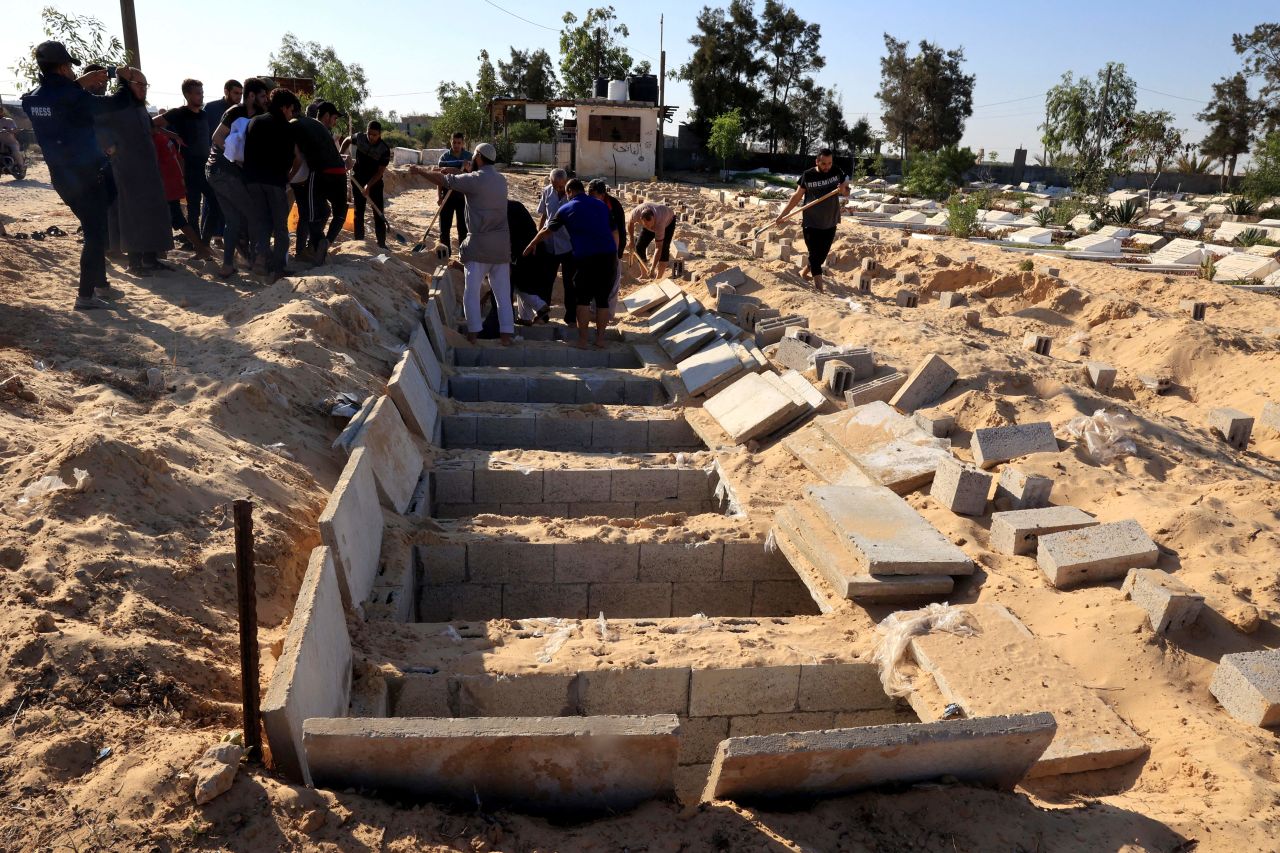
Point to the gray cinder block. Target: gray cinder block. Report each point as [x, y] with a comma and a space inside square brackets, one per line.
[1102, 376]
[960, 488]
[1019, 490]
[862, 281]
[1248, 686]
[1233, 425]
[860, 359]
[1000, 444]
[907, 299]
[1170, 604]
[1038, 344]
[1271, 416]
[904, 277]
[1100, 553]
[870, 265]
[839, 377]
[936, 423]
[973, 319]
[951, 299]
[1192, 307]
[929, 381]
[794, 352]
[882, 388]
[1016, 532]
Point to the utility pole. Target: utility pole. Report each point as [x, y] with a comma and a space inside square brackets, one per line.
[129, 23]
[662, 97]
[1102, 112]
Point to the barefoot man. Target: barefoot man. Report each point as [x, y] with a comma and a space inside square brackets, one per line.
[819, 221]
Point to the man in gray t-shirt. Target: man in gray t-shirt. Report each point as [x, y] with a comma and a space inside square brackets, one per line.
[486, 252]
[820, 221]
[561, 257]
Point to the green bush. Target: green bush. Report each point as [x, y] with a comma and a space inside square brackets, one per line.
[1043, 217]
[400, 139]
[1027, 266]
[529, 131]
[962, 214]
[938, 174]
[1240, 206]
[506, 149]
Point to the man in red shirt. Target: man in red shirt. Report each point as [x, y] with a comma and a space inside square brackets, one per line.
[175, 188]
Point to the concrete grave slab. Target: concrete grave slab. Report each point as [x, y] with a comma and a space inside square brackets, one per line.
[1025, 678]
[422, 350]
[1100, 553]
[414, 400]
[644, 300]
[733, 276]
[715, 364]
[885, 446]
[1018, 531]
[929, 381]
[751, 407]
[884, 534]
[397, 464]
[990, 751]
[351, 525]
[686, 337]
[536, 763]
[667, 316]
[436, 332]
[1248, 686]
[1000, 444]
[1170, 604]
[312, 678]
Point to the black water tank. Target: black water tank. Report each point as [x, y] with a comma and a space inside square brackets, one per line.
[602, 87]
[644, 87]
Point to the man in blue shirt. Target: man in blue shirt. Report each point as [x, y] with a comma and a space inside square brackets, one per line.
[62, 115]
[454, 205]
[595, 246]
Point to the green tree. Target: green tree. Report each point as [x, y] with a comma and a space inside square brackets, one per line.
[1153, 144]
[723, 69]
[937, 174]
[466, 108]
[85, 38]
[1086, 129]
[835, 132]
[342, 83]
[1262, 179]
[529, 74]
[1261, 52]
[927, 98]
[860, 137]
[1231, 116]
[486, 79]
[806, 122]
[725, 139]
[790, 51]
[528, 131]
[592, 48]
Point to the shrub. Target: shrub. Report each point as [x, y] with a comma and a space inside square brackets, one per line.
[962, 214]
[1119, 214]
[1252, 237]
[1027, 266]
[1240, 206]
[1043, 217]
[399, 139]
[938, 174]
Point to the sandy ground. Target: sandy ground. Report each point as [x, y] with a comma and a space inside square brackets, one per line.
[118, 643]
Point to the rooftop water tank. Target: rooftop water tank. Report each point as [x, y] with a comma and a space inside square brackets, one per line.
[601, 89]
[644, 87]
[617, 90]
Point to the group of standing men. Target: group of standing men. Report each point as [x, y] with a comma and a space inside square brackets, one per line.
[125, 174]
[582, 232]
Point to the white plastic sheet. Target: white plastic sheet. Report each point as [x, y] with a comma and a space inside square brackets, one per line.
[1105, 435]
[897, 630]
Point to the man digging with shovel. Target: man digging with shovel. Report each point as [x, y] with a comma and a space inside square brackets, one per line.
[819, 221]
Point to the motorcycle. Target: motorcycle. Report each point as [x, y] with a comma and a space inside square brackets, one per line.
[11, 164]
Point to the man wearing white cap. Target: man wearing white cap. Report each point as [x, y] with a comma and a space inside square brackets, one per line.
[486, 251]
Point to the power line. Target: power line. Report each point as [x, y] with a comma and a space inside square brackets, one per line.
[1010, 101]
[517, 17]
[1200, 101]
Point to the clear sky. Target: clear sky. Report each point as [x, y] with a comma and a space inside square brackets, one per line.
[1174, 50]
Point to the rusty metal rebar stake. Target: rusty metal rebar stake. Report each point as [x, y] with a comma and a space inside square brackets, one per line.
[247, 602]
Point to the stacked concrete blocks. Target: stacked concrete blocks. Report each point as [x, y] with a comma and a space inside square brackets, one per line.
[1248, 686]
[772, 329]
[929, 381]
[1000, 444]
[860, 359]
[1017, 531]
[312, 678]
[1099, 553]
[1233, 425]
[993, 751]
[1169, 603]
[961, 488]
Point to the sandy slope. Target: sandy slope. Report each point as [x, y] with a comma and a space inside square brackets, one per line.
[134, 571]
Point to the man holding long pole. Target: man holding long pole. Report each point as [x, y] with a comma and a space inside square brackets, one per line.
[819, 220]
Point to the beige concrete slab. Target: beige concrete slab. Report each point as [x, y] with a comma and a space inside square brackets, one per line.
[397, 464]
[536, 763]
[989, 751]
[1004, 669]
[351, 524]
